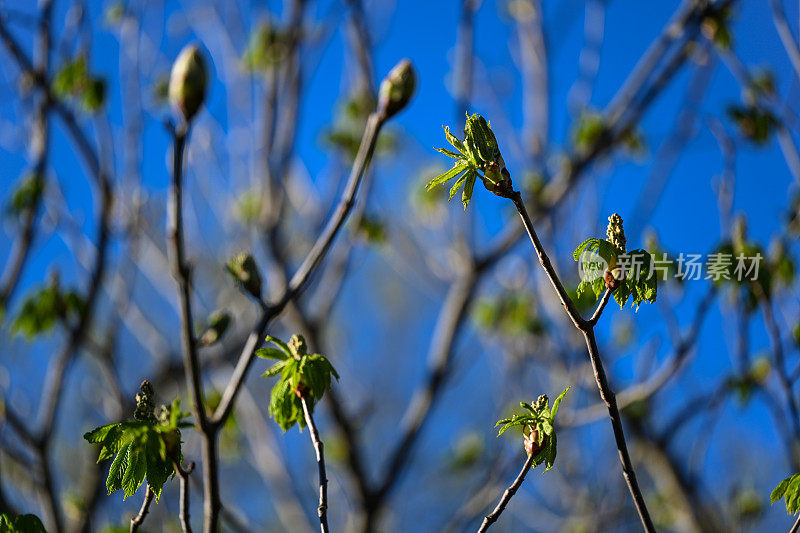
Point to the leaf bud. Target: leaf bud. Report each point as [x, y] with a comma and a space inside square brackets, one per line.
[397, 88]
[188, 81]
[244, 270]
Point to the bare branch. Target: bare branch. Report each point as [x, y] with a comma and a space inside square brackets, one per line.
[304, 272]
[492, 517]
[606, 394]
[191, 364]
[183, 474]
[322, 509]
[137, 520]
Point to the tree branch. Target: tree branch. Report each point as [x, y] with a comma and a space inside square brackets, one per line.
[191, 364]
[137, 520]
[322, 510]
[306, 269]
[492, 517]
[606, 394]
[186, 525]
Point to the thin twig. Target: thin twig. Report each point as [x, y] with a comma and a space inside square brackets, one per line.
[322, 510]
[602, 305]
[492, 517]
[303, 273]
[785, 33]
[191, 364]
[796, 526]
[137, 520]
[552, 275]
[183, 474]
[606, 394]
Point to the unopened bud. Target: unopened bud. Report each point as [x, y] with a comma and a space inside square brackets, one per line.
[615, 234]
[187, 82]
[397, 88]
[244, 270]
[482, 144]
[530, 440]
[145, 404]
[218, 323]
[298, 346]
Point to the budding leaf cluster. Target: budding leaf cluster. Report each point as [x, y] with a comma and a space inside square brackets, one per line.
[75, 81]
[477, 156]
[739, 259]
[302, 376]
[244, 270]
[789, 491]
[45, 307]
[146, 447]
[538, 428]
[25, 523]
[215, 328]
[267, 49]
[26, 195]
[602, 268]
[755, 122]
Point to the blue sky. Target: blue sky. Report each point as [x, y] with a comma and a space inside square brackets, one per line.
[686, 217]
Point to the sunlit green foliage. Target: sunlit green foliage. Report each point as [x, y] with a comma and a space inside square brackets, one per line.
[538, 428]
[302, 375]
[75, 81]
[147, 447]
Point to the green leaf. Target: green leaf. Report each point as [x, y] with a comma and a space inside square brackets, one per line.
[26, 523]
[550, 452]
[457, 185]
[789, 490]
[457, 169]
[449, 153]
[280, 405]
[118, 468]
[99, 434]
[145, 449]
[641, 280]
[469, 185]
[779, 491]
[458, 145]
[135, 473]
[274, 370]
[596, 247]
[590, 127]
[557, 402]
[271, 353]
[279, 343]
[308, 374]
[622, 293]
[159, 469]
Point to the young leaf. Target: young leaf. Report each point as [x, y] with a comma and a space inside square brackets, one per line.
[449, 153]
[456, 186]
[469, 184]
[301, 375]
[271, 353]
[457, 169]
[25, 523]
[453, 140]
[557, 402]
[145, 448]
[279, 343]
